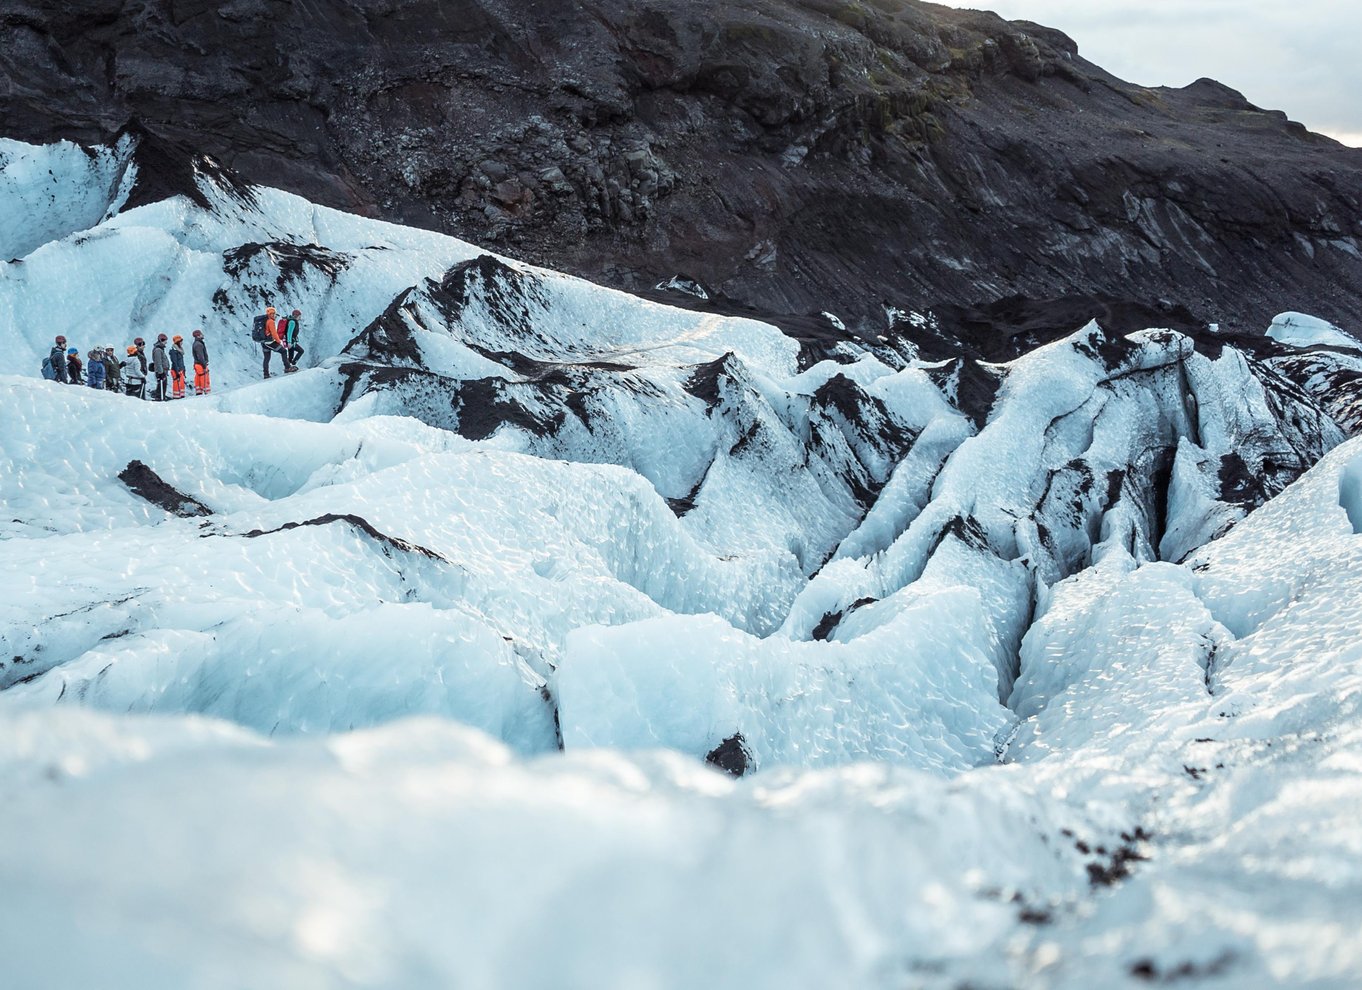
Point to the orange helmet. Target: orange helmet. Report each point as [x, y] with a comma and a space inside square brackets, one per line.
[132, 349]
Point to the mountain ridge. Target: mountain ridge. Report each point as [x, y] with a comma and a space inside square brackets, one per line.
[795, 156]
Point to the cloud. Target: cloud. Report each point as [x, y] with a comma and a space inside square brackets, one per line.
[1301, 57]
[1353, 138]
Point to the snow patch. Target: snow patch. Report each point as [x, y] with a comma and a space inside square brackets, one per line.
[1300, 330]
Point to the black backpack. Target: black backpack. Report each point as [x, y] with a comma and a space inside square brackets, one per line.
[258, 330]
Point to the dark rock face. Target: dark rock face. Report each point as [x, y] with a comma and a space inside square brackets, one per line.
[146, 483]
[730, 756]
[797, 155]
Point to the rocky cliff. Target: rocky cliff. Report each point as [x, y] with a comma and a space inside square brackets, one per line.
[795, 155]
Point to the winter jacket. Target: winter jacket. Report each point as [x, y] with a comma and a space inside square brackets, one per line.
[132, 371]
[94, 373]
[159, 363]
[200, 352]
[58, 359]
[272, 331]
[176, 357]
[142, 360]
[288, 329]
[111, 377]
[73, 376]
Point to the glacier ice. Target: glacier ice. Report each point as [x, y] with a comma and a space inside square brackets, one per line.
[1043, 673]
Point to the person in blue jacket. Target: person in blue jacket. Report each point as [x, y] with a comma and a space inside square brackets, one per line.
[94, 370]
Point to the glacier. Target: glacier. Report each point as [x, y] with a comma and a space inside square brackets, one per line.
[405, 670]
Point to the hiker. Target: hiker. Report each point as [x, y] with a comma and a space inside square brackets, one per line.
[73, 376]
[139, 346]
[289, 336]
[112, 379]
[134, 378]
[267, 331]
[94, 369]
[177, 367]
[160, 366]
[56, 362]
[200, 352]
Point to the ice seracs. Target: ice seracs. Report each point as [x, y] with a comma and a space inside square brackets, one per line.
[51, 192]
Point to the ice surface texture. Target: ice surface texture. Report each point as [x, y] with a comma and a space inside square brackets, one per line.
[1042, 673]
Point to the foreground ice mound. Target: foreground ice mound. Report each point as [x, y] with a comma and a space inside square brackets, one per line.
[1152, 819]
[423, 855]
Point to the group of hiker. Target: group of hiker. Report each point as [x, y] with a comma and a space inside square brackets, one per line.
[278, 336]
[165, 368]
[103, 370]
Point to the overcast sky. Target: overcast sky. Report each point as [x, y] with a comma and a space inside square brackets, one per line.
[1301, 56]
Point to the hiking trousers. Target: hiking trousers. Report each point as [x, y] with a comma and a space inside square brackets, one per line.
[270, 347]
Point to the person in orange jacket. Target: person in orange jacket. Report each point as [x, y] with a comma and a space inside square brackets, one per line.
[272, 344]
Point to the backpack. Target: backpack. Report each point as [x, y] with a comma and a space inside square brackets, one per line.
[290, 330]
[49, 372]
[258, 330]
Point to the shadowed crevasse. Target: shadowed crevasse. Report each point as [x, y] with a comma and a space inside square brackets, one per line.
[359, 523]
